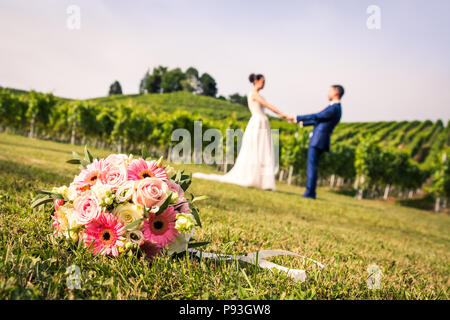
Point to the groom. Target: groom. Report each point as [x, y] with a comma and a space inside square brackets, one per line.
[324, 123]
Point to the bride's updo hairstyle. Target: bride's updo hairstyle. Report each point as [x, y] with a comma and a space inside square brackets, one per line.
[254, 77]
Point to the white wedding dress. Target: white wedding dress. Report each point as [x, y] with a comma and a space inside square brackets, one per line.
[254, 166]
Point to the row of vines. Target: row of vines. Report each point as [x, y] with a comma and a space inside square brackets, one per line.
[376, 159]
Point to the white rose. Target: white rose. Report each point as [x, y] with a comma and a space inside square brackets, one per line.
[71, 218]
[101, 191]
[185, 222]
[72, 193]
[135, 237]
[170, 171]
[180, 242]
[125, 191]
[67, 221]
[62, 191]
[128, 213]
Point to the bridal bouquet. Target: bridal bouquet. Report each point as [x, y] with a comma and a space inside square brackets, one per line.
[119, 203]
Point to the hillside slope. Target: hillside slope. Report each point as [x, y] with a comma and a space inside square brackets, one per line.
[410, 246]
[169, 102]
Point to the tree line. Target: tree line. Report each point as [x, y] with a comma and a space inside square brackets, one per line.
[164, 80]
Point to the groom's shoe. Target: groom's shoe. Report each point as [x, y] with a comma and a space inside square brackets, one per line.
[307, 196]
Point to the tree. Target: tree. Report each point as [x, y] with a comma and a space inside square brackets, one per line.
[115, 88]
[208, 85]
[191, 83]
[238, 99]
[142, 88]
[171, 80]
[153, 81]
[191, 72]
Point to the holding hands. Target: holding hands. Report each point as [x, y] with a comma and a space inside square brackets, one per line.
[291, 119]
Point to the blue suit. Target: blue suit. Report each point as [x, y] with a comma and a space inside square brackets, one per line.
[324, 123]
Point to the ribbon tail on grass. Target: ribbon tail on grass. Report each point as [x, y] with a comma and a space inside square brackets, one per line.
[258, 258]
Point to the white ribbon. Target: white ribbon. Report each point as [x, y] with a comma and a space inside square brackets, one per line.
[258, 258]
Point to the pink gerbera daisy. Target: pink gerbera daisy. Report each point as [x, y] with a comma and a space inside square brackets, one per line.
[91, 173]
[141, 169]
[105, 235]
[56, 224]
[160, 230]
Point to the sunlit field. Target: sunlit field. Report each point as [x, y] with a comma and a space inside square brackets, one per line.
[410, 246]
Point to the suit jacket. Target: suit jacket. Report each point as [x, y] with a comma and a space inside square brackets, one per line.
[324, 123]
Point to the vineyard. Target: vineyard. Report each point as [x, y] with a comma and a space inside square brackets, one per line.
[374, 159]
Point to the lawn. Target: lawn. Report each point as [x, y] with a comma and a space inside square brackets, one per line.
[410, 246]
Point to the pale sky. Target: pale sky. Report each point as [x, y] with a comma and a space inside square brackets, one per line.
[399, 72]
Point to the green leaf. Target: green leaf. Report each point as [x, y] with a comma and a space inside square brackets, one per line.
[87, 155]
[135, 223]
[178, 176]
[194, 212]
[200, 198]
[185, 181]
[52, 195]
[197, 244]
[43, 192]
[84, 163]
[144, 154]
[165, 205]
[40, 201]
[74, 161]
[75, 155]
[189, 194]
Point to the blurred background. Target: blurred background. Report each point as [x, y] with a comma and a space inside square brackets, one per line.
[399, 71]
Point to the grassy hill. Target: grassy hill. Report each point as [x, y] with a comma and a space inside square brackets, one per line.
[169, 102]
[410, 246]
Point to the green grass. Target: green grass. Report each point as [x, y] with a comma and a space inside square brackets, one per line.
[410, 246]
[182, 100]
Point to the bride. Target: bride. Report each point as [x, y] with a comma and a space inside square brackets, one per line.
[255, 165]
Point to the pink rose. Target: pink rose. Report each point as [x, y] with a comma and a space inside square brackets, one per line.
[184, 208]
[150, 192]
[86, 208]
[174, 187]
[114, 176]
[182, 204]
[117, 159]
